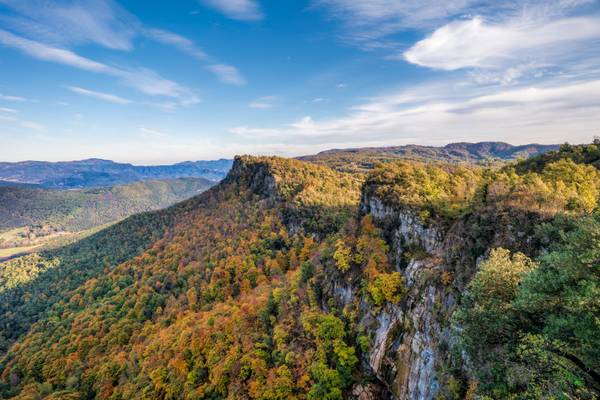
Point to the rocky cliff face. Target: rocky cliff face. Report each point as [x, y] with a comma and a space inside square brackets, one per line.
[256, 175]
[407, 338]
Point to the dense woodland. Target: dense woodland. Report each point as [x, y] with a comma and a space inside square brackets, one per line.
[44, 212]
[364, 159]
[235, 293]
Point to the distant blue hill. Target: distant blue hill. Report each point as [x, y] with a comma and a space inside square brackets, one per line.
[99, 173]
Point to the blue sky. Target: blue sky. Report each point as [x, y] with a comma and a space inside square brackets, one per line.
[154, 82]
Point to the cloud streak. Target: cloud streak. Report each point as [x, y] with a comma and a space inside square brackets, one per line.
[263, 103]
[49, 29]
[60, 23]
[22, 123]
[182, 43]
[147, 133]
[144, 80]
[17, 99]
[547, 113]
[243, 10]
[227, 74]
[47, 53]
[476, 43]
[111, 98]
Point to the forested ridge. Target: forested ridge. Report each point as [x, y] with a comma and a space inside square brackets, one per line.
[101, 173]
[43, 212]
[294, 280]
[363, 159]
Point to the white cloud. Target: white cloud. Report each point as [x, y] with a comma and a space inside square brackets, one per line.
[550, 113]
[63, 23]
[403, 14]
[32, 125]
[144, 80]
[21, 122]
[149, 82]
[147, 133]
[8, 110]
[47, 53]
[18, 99]
[243, 10]
[99, 95]
[476, 43]
[263, 103]
[182, 43]
[227, 74]
[49, 28]
[375, 24]
[368, 23]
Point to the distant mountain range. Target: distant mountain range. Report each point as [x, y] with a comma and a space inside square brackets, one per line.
[100, 173]
[363, 158]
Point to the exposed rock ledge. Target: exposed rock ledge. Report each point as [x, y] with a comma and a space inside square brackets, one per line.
[406, 340]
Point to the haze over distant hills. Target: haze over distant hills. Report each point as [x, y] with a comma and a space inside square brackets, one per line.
[98, 172]
[363, 158]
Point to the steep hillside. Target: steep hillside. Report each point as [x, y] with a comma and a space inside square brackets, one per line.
[363, 159]
[452, 338]
[44, 212]
[97, 173]
[219, 277]
[289, 280]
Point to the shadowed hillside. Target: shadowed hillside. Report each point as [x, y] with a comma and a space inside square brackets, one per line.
[29, 216]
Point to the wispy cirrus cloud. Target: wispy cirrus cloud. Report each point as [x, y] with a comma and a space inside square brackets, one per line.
[243, 10]
[496, 41]
[62, 24]
[369, 23]
[227, 74]
[475, 43]
[17, 99]
[452, 111]
[147, 133]
[48, 53]
[144, 80]
[264, 103]
[180, 42]
[99, 95]
[8, 110]
[13, 120]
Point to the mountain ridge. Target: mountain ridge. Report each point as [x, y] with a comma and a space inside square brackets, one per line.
[294, 280]
[96, 172]
[364, 158]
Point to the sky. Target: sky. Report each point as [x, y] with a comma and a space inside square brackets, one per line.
[154, 82]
